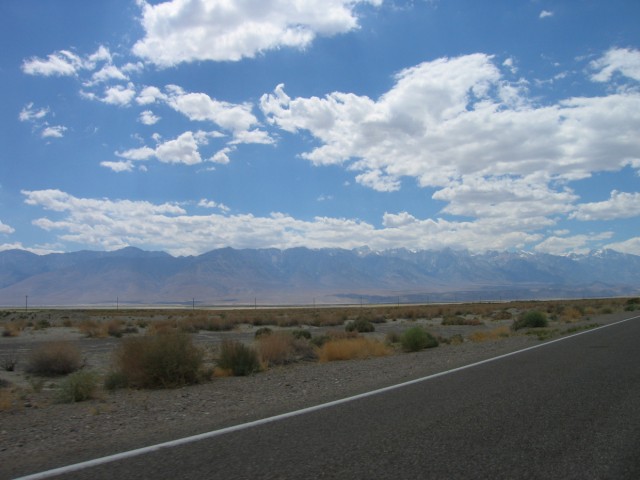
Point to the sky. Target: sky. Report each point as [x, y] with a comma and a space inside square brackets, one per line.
[190, 125]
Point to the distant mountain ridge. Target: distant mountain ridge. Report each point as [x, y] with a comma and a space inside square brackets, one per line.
[303, 276]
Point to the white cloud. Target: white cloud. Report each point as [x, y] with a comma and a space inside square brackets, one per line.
[30, 114]
[201, 107]
[110, 224]
[142, 153]
[545, 14]
[631, 246]
[204, 203]
[395, 220]
[148, 118]
[102, 54]
[456, 125]
[222, 156]
[619, 205]
[6, 229]
[149, 95]
[626, 61]
[108, 73]
[119, 95]
[194, 30]
[61, 63]
[183, 149]
[579, 244]
[119, 166]
[53, 131]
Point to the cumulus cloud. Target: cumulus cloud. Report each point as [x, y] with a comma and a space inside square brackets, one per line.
[108, 73]
[193, 30]
[545, 14]
[66, 63]
[149, 95]
[579, 244]
[236, 118]
[119, 166]
[619, 205]
[458, 126]
[147, 117]
[5, 229]
[110, 224]
[631, 246]
[119, 94]
[184, 149]
[61, 63]
[626, 61]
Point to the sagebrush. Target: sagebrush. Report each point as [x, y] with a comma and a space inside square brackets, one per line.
[165, 360]
[238, 358]
[417, 338]
[54, 358]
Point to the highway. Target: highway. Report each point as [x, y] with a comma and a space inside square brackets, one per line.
[568, 409]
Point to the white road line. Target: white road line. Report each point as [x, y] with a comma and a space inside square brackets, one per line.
[215, 433]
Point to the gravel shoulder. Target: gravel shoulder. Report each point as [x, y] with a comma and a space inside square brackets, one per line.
[40, 434]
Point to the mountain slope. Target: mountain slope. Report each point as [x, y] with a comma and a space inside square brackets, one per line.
[301, 275]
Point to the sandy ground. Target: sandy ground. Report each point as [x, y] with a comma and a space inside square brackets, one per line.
[37, 434]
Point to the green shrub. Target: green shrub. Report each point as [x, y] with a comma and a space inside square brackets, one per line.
[531, 319]
[417, 338]
[165, 360]
[238, 358]
[77, 387]
[360, 325]
[54, 358]
[298, 334]
[115, 380]
[458, 320]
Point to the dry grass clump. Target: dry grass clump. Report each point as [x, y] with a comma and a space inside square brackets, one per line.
[92, 329]
[7, 399]
[54, 358]
[352, 348]
[12, 329]
[281, 348]
[166, 360]
[494, 334]
[571, 314]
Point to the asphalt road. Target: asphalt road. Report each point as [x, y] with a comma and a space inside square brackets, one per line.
[569, 409]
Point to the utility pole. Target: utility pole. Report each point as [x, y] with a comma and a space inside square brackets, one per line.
[26, 303]
[193, 304]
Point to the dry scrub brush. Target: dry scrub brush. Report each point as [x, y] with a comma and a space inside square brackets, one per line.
[238, 358]
[494, 334]
[352, 348]
[166, 360]
[281, 348]
[54, 358]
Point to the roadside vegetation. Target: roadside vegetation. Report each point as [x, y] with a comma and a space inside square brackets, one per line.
[155, 348]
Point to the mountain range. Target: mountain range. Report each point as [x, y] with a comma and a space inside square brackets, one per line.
[308, 276]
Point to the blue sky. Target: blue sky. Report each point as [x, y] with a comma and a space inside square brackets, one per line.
[191, 125]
